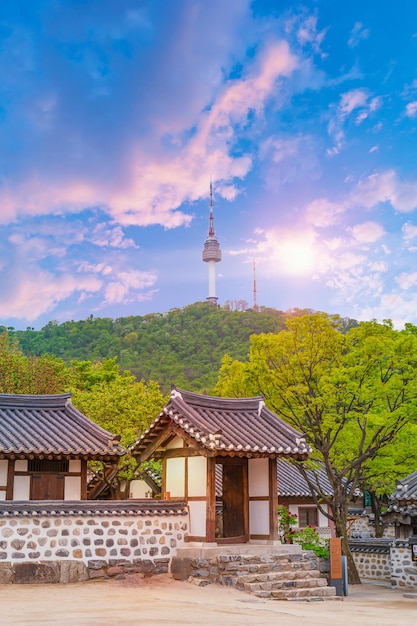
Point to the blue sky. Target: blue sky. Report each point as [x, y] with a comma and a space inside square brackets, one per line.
[114, 116]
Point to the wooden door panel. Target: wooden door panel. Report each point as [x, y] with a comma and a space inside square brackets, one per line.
[232, 508]
[46, 486]
[233, 518]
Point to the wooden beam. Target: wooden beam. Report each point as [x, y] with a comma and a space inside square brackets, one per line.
[211, 500]
[174, 453]
[10, 480]
[273, 500]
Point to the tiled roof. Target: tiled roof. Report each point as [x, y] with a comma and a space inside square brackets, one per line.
[406, 490]
[291, 483]
[226, 426]
[49, 425]
[404, 499]
[87, 508]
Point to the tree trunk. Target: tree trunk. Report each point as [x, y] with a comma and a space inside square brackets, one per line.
[375, 504]
[353, 575]
[340, 520]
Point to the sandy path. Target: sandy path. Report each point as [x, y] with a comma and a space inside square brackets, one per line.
[161, 600]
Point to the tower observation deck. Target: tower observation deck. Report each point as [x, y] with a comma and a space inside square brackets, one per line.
[211, 253]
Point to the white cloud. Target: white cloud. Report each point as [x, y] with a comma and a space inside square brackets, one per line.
[104, 236]
[357, 101]
[322, 212]
[409, 232]
[398, 308]
[38, 292]
[386, 187]
[308, 33]
[368, 232]
[156, 183]
[351, 100]
[411, 109]
[129, 286]
[406, 281]
[358, 34]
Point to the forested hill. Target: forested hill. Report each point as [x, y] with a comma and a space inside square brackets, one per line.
[184, 346]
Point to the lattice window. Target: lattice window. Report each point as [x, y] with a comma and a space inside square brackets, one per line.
[46, 466]
[307, 516]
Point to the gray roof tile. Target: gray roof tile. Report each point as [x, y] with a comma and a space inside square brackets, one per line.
[291, 483]
[227, 426]
[50, 425]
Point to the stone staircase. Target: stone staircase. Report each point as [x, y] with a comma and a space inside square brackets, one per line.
[293, 576]
[286, 578]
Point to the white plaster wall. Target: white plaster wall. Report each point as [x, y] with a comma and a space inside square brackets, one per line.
[198, 516]
[259, 517]
[21, 465]
[177, 442]
[175, 477]
[21, 488]
[197, 476]
[4, 465]
[139, 489]
[75, 465]
[258, 470]
[72, 488]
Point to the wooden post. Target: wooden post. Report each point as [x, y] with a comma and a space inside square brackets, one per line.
[336, 569]
[273, 501]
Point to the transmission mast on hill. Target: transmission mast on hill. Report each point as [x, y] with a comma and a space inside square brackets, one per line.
[211, 253]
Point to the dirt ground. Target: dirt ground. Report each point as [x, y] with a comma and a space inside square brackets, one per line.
[162, 600]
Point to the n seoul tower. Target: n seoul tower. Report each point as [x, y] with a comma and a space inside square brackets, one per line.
[211, 253]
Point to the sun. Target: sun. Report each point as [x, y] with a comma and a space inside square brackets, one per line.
[297, 256]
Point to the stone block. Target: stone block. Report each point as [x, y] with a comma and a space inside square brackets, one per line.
[181, 568]
[6, 573]
[72, 572]
[35, 573]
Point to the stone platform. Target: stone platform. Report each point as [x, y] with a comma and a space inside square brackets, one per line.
[277, 572]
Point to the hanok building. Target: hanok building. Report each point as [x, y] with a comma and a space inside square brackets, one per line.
[199, 437]
[296, 494]
[402, 508]
[45, 443]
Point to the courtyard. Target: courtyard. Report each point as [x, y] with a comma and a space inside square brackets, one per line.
[162, 600]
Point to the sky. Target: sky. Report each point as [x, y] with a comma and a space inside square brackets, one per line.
[115, 116]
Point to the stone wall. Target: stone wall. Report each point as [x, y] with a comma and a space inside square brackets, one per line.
[80, 540]
[372, 559]
[403, 569]
[388, 561]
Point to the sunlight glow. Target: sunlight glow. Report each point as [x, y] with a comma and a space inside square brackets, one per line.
[298, 256]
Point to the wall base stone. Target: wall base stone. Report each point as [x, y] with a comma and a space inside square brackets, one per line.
[76, 571]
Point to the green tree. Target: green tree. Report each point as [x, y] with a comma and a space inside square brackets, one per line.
[31, 375]
[115, 400]
[118, 403]
[350, 394]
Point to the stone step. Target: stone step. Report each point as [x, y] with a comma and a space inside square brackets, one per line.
[273, 576]
[322, 593]
[286, 584]
[266, 568]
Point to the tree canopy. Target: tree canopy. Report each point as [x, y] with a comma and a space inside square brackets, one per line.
[183, 346]
[350, 394]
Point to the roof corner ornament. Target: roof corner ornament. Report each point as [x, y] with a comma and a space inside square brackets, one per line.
[214, 439]
[260, 407]
[175, 394]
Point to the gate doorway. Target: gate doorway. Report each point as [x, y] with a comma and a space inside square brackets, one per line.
[232, 512]
[47, 487]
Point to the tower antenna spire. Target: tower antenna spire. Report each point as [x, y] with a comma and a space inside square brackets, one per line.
[211, 251]
[255, 305]
[211, 218]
